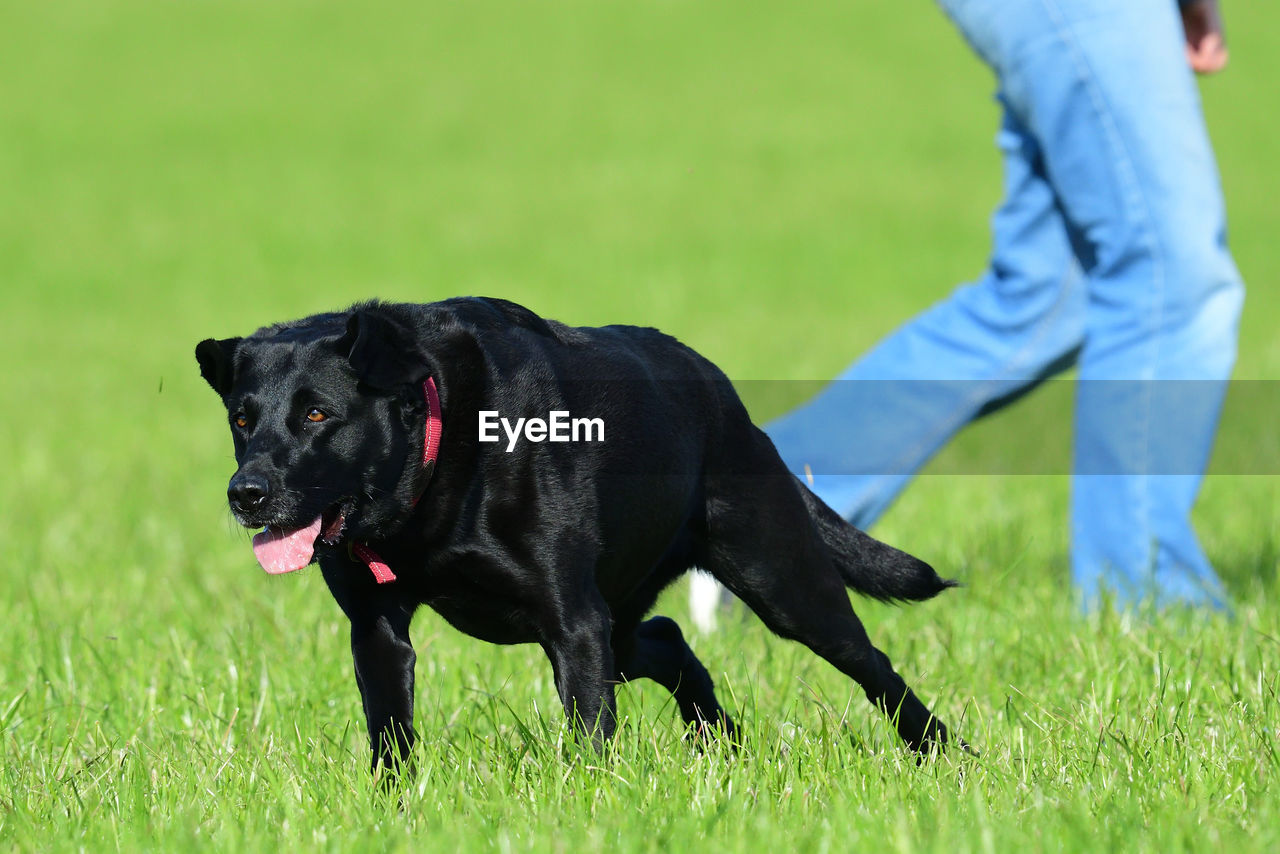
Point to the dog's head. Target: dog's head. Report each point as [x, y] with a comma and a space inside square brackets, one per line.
[327, 429]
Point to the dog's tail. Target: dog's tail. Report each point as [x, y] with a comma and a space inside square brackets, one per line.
[869, 566]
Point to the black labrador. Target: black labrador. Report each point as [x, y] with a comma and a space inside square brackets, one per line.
[536, 482]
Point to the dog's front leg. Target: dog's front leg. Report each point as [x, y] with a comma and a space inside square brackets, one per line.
[582, 659]
[384, 660]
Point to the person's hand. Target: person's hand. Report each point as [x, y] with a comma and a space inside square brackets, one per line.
[1206, 44]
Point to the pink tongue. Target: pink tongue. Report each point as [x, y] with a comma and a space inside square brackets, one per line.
[280, 550]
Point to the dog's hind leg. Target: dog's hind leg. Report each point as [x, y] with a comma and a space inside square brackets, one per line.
[765, 548]
[657, 650]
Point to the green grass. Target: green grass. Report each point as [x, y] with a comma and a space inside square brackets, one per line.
[777, 184]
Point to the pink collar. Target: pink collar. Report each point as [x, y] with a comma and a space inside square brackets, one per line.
[430, 450]
[431, 443]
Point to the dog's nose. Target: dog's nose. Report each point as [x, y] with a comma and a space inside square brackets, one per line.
[247, 491]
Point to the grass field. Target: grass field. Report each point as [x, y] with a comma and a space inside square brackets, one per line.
[778, 184]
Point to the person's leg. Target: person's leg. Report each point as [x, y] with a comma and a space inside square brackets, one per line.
[1103, 88]
[864, 436]
[1106, 90]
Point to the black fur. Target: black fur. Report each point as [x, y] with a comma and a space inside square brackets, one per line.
[565, 545]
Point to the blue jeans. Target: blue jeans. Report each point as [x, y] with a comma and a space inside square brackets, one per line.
[1109, 252]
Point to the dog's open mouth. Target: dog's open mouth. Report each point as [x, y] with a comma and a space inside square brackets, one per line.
[280, 550]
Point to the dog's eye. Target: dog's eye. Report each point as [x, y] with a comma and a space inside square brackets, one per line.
[240, 420]
[315, 415]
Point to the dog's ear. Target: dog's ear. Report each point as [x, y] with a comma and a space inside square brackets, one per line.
[382, 350]
[216, 360]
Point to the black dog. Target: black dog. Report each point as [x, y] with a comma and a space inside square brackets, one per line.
[370, 440]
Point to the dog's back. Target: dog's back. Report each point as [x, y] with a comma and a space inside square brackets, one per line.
[705, 437]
